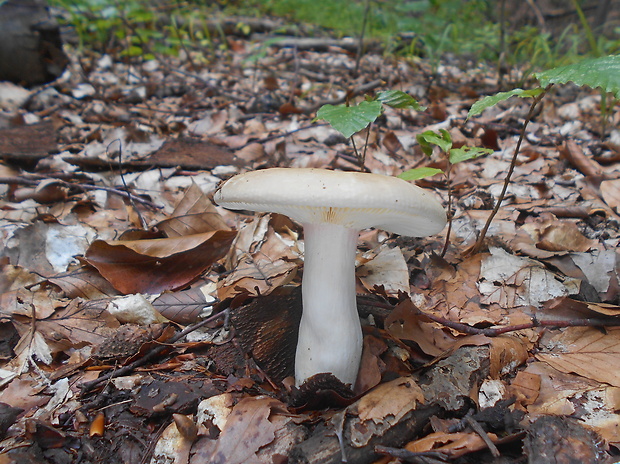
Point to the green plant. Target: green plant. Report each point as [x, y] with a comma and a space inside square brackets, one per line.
[602, 73]
[443, 140]
[351, 119]
[137, 27]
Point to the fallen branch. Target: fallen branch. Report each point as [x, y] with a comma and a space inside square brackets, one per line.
[18, 180]
[551, 324]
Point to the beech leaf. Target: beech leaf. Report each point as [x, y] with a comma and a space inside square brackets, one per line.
[419, 173]
[492, 100]
[602, 72]
[399, 99]
[349, 120]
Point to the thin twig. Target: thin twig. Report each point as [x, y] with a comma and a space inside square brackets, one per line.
[476, 427]
[496, 331]
[26, 181]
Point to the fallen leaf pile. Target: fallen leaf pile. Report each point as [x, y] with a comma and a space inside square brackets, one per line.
[113, 247]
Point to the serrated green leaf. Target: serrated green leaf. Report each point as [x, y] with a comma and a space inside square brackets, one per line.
[492, 100]
[419, 173]
[603, 72]
[349, 120]
[443, 140]
[466, 153]
[399, 99]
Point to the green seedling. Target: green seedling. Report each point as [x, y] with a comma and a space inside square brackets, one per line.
[442, 139]
[351, 119]
[602, 73]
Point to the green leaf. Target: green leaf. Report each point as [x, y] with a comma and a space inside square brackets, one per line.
[603, 72]
[349, 120]
[399, 99]
[492, 100]
[428, 138]
[466, 153]
[419, 173]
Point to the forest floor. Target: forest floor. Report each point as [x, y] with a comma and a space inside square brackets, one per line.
[141, 323]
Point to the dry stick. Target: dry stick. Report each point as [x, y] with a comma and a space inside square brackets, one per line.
[122, 193]
[513, 163]
[87, 386]
[495, 331]
[476, 427]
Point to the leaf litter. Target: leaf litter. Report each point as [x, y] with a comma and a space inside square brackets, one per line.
[117, 207]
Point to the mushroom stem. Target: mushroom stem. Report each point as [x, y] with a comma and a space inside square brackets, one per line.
[330, 334]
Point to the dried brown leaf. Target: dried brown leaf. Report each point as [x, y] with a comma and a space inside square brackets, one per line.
[564, 236]
[85, 283]
[610, 190]
[182, 307]
[406, 323]
[513, 281]
[390, 401]
[247, 430]
[525, 388]
[452, 444]
[576, 157]
[586, 351]
[153, 266]
[194, 214]
[507, 352]
[256, 277]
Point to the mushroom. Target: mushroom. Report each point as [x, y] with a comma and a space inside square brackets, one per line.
[333, 207]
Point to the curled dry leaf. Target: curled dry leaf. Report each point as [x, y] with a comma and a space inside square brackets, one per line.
[593, 404]
[388, 269]
[153, 266]
[525, 388]
[256, 277]
[610, 190]
[405, 322]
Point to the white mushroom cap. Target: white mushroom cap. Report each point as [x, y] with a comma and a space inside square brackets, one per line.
[333, 206]
[354, 200]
